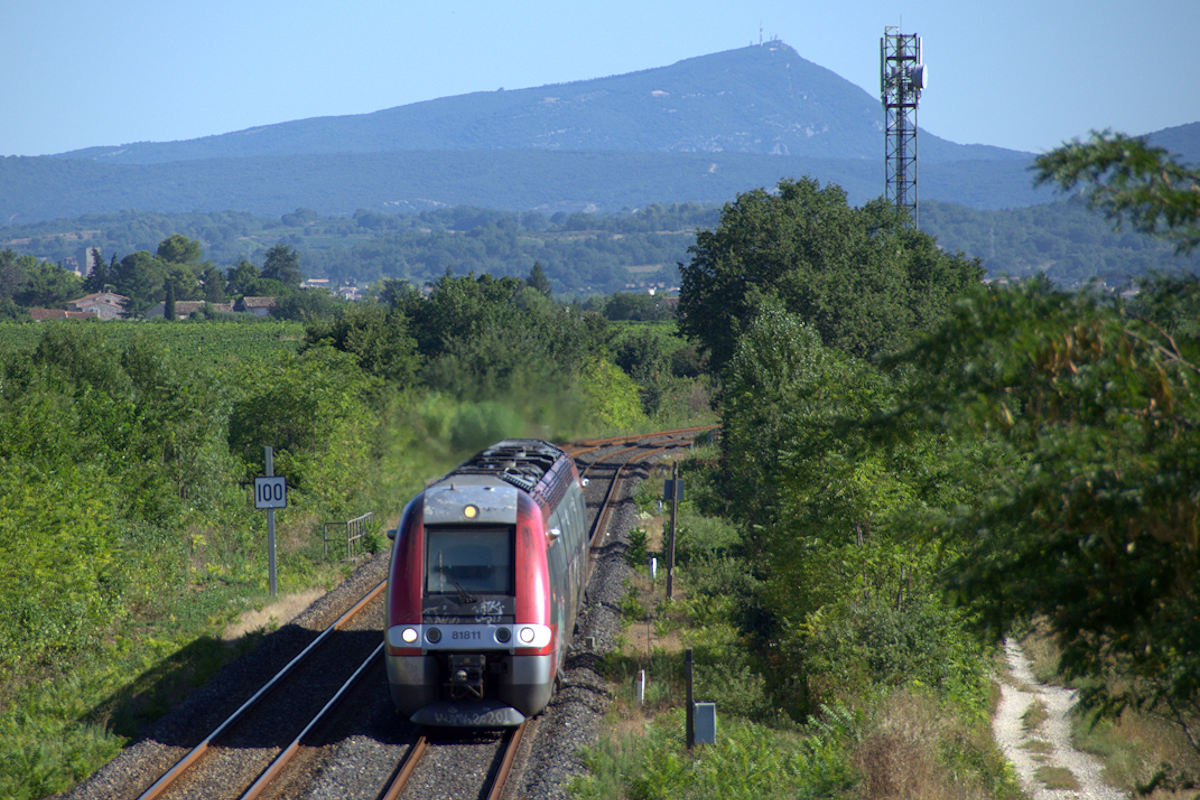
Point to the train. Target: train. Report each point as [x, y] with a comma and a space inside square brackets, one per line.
[487, 575]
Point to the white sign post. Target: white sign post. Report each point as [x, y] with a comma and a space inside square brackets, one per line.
[270, 492]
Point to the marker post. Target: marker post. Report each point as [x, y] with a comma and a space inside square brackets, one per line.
[270, 492]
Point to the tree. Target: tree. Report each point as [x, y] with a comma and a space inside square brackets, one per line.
[99, 277]
[375, 334]
[862, 278]
[45, 284]
[184, 280]
[283, 264]
[642, 307]
[241, 277]
[300, 217]
[1128, 179]
[1091, 523]
[141, 277]
[12, 272]
[392, 292]
[213, 283]
[178, 249]
[306, 305]
[537, 279]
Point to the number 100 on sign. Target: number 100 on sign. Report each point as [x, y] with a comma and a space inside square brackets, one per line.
[270, 492]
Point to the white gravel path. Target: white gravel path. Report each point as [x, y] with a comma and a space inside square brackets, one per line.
[1014, 740]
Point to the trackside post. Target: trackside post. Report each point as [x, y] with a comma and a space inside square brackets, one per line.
[270, 492]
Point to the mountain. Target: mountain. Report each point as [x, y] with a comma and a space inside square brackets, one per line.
[702, 130]
[762, 99]
[1181, 140]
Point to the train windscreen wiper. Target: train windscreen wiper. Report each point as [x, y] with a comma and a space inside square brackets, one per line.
[464, 596]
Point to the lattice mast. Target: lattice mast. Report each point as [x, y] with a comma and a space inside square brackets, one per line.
[902, 77]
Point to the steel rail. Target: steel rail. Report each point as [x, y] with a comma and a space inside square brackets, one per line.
[406, 769]
[165, 781]
[602, 517]
[587, 445]
[288, 753]
[511, 745]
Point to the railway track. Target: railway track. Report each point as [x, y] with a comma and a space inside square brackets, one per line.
[261, 749]
[493, 759]
[208, 762]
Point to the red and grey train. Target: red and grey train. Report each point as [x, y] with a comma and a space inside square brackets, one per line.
[487, 574]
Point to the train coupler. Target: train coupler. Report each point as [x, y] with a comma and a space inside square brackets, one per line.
[466, 675]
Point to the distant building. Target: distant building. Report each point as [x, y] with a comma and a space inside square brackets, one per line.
[87, 257]
[104, 305]
[43, 314]
[185, 308]
[260, 306]
[350, 291]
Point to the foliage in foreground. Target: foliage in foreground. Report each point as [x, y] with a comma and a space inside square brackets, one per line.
[1129, 180]
[1094, 530]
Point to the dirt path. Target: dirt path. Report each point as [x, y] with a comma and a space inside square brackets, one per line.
[1038, 743]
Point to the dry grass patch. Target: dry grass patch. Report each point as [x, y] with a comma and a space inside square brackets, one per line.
[899, 758]
[1043, 654]
[280, 612]
[1035, 715]
[1137, 749]
[1056, 778]
[1039, 747]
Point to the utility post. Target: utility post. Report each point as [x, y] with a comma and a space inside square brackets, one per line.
[690, 720]
[674, 493]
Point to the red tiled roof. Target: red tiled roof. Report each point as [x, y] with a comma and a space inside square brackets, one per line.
[43, 314]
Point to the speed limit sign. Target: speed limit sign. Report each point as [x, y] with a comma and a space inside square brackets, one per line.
[270, 492]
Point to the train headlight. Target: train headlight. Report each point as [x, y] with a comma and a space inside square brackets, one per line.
[471, 512]
[433, 635]
[526, 635]
[409, 635]
[503, 635]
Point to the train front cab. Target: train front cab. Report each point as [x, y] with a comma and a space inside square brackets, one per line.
[472, 613]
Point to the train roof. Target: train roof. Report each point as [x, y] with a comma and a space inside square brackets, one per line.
[519, 462]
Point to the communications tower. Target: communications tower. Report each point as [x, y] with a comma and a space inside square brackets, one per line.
[902, 77]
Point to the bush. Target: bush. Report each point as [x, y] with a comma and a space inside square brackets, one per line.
[637, 554]
[867, 642]
[747, 762]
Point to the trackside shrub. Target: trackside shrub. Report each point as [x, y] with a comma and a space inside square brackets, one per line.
[747, 762]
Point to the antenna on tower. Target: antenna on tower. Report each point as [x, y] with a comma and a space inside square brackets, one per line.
[902, 78]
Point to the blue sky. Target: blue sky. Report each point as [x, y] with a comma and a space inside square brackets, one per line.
[1026, 74]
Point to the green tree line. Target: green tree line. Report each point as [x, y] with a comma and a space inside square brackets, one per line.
[585, 253]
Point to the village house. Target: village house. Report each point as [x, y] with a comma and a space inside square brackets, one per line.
[185, 308]
[260, 306]
[104, 305]
[43, 314]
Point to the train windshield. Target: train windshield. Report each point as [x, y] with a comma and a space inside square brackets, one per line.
[469, 560]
